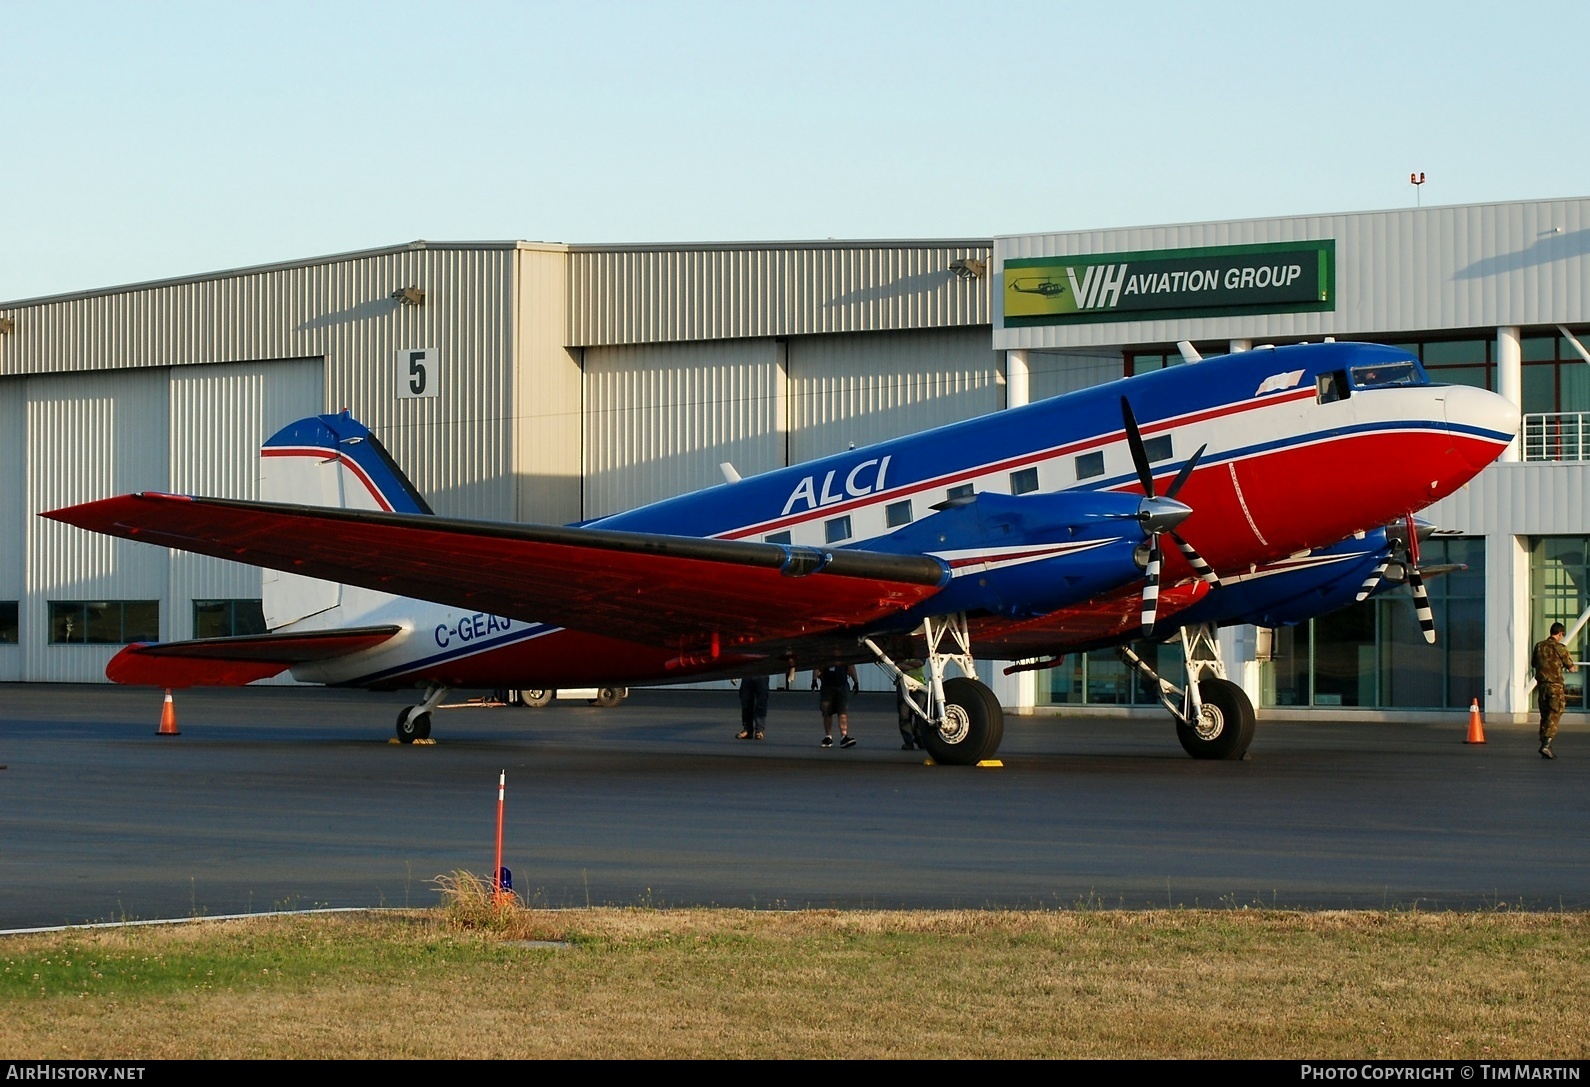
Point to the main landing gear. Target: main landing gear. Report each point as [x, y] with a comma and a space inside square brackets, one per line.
[960, 722]
[414, 722]
[1214, 718]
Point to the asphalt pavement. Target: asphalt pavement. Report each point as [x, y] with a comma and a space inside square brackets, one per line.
[279, 798]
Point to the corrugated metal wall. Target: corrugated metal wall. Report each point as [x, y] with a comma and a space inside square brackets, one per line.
[866, 388]
[220, 415]
[13, 509]
[455, 446]
[1473, 266]
[1054, 373]
[547, 395]
[88, 436]
[660, 419]
[638, 295]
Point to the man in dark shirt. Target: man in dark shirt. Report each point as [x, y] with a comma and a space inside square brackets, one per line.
[1549, 660]
[834, 682]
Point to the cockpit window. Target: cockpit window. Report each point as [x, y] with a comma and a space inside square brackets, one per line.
[1386, 375]
[1331, 387]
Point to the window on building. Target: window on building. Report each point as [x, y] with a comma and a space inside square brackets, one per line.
[1090, 465]
[898, 513]
[964, 490]
[104, 622]
[1024, 481]
[836, 529]
[777, 537]
[227, 618]
[1559, 592]
[9, 625]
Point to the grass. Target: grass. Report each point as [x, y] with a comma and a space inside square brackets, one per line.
[459, 982]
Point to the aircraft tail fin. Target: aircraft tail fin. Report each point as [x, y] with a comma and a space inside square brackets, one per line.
[329, 460]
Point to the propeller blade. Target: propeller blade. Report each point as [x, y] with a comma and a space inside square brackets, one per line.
[1134, 442]
[1421, 604]
[1186, 471]
[1196, 561]
[1151, 585]
[1371, 582]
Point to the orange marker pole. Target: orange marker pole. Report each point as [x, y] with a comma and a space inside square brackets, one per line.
[496, 873]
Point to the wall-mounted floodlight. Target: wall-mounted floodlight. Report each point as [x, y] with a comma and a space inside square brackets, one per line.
[969, 268]
[7, 326]
[409, 296]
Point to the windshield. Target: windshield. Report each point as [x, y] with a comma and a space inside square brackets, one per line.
[1386, 375]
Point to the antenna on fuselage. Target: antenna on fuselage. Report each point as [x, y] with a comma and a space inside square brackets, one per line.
[729, 474]
[1189, 353]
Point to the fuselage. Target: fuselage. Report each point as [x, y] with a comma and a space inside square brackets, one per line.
[1304, 446]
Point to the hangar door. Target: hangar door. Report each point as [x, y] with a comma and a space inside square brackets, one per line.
[867, 387]
[660, 418]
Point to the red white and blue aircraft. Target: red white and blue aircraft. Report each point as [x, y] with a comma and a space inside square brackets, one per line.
[1021, 536]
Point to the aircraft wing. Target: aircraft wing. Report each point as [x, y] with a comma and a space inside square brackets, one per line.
[700, 595]
[232, 662]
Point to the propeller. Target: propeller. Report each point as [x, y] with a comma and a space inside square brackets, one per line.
[1409, 539]
[1160, 514]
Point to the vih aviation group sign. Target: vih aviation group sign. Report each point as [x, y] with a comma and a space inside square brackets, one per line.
[1279, 277]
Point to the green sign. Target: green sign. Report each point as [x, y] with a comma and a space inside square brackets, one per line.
[1277, 277]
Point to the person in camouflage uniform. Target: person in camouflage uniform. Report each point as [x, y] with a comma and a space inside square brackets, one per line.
[1549, 659]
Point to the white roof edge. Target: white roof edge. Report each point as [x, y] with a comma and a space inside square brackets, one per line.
[1285, 218]
[277, 266]
[824, 243]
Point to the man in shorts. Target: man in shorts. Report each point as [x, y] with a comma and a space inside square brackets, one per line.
[834, 682]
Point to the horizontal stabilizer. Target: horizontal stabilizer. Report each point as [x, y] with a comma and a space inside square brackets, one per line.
[233, 662]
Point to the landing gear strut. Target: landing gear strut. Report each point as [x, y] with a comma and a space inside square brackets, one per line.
[960, 721]
[1214, 718]
[414, 722]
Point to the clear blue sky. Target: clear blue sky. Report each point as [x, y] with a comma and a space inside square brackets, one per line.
[143, 140]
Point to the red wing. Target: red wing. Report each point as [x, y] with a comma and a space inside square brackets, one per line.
[232, 662]
[662, 590]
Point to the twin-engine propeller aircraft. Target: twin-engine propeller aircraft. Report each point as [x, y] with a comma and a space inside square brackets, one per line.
[1020, 536]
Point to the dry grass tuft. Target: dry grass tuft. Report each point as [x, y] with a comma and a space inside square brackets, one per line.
[473, 904]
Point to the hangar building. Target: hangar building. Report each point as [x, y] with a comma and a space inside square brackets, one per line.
[549, 382]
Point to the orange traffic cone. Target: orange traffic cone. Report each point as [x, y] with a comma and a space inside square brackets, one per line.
[1476, 729]
[168, 717]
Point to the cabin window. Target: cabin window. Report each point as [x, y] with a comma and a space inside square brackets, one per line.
[1331, 387]
[964, 490]
[898, 513]
[1386, 375]
[1158, 449]
[104, 622]
[1024, 481]
[836, 529]
[8, 622]
[227, 618]
[1090, 465]
[777, 537]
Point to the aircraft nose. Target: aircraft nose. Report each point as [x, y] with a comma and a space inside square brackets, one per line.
[1489, 422]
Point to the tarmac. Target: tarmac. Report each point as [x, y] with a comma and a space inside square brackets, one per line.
[281, 798]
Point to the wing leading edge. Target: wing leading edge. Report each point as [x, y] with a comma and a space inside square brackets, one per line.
[671, 591]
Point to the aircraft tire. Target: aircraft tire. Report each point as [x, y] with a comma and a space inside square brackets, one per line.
[608, 697]
[537, 697]
[1227, 726]
[413, 726]
[974, 725]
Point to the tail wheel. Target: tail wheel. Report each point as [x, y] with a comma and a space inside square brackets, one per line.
[974, 723]
[1225, 727]
[608, 697]
[413, 726]
[536, 697]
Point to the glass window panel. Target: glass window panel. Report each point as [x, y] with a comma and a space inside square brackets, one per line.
[1574, 381]
[1065, 681]
[898, 513]
[66, 622]
[1090, 465]
[248, 617]
[102, 623]
[1158, 449]
[777, 537]
[1345, 671]
[8, 622]
[837, 529]
[1108, 679]
[1164, 659]
[1480, 377]
[1024, 481]
[212, 618]
[963, 490]
[1539, 348]
[1286, 677]
[1447, 352]
[1540, 388]
[1411, 668]
[140, 621]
